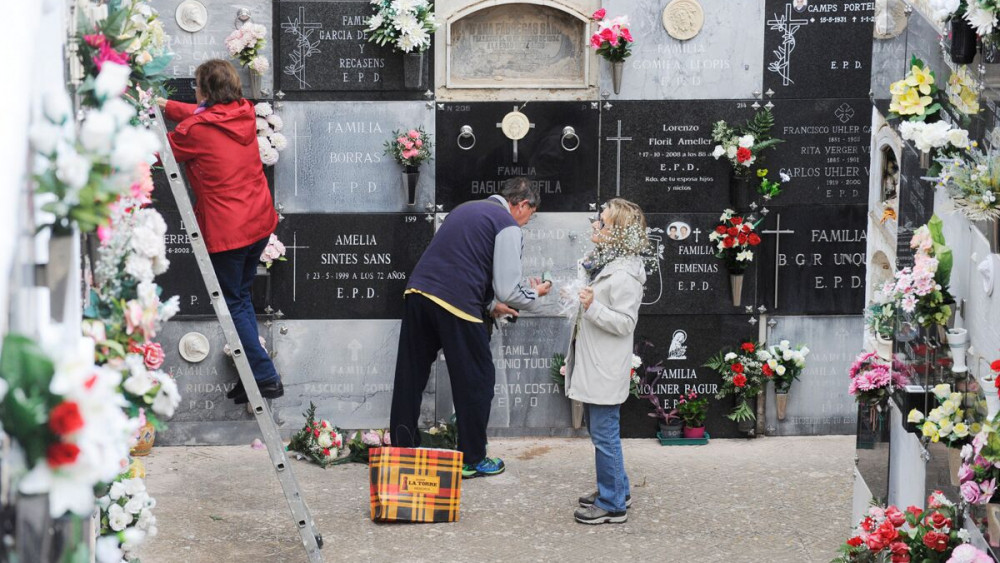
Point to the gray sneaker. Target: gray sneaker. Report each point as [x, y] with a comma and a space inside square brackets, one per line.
[588, 501]
[595, 515]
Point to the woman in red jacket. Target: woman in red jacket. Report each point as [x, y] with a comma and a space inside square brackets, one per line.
[217, 139]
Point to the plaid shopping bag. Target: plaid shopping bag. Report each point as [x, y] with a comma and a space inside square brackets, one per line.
[415, 484]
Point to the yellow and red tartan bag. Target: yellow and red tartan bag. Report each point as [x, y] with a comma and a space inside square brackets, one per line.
[415, 484]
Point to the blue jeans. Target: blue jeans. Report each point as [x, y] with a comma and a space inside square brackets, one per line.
[236, 270]
[605, 433]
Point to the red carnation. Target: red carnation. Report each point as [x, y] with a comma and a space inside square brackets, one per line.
[736, 220]
[748, 347]
[326, 452]
[855, 541]
[153, 355]
[65, 418]
[733, 231]
[747, 227]
[767, 370]
[753, 239]
[739, 380]
[936, 541]
[867, 524]
[995, 366]
[728, 242]
[742, 238]
[61, 453]
[743, 154]
[737, 367]
[721, 229]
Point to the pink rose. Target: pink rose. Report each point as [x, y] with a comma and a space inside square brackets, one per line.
[401, 140]
[599, 15]
[626, 34]
[609, 35]
[970, 492]
[407, 154]
[153, 356]
[418, 142]
[595, 41]
[408, 145]
[414, 134]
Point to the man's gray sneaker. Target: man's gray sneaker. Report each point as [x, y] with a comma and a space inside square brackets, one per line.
[595, 515]
[588, 501]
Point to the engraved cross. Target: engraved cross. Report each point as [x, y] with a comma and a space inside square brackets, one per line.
[777, 232]
[294, 247]
[618, 158]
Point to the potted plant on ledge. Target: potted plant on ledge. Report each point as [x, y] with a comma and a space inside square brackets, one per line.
[692, 409]
[410, 149]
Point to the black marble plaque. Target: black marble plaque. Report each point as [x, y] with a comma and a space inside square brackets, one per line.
[659, 154]
[826, 152]
[818, 48]
[324, 47]
[183, 278]
[694, 339]
[916, 204]
[817, 255]
[347, 266]
[691, 280]
[564, 165]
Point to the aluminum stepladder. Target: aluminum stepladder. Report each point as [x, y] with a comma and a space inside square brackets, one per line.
[311, 539]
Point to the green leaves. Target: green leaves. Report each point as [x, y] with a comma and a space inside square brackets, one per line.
[941, 252]
[25, 409]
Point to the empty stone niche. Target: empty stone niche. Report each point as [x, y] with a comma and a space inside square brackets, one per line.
[501, 47]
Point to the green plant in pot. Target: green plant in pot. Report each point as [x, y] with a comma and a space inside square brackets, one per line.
[692, 409]
[670, 422]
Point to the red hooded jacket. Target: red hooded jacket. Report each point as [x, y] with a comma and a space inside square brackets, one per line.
[219, 145]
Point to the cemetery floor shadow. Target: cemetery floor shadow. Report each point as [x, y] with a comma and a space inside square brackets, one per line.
[766, 500]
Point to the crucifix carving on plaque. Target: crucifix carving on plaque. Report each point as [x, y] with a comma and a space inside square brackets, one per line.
[777, 232]
[305, 47]
[294, 247]
[295, 154]
[515, 126]
[618, 158]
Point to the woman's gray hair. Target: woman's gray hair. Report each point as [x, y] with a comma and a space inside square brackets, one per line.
[516, 190]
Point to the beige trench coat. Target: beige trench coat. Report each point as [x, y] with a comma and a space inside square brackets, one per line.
[599, 360]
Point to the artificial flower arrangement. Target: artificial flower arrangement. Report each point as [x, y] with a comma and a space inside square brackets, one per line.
[81, 174]
[979, 472]
[557, 370]
[783, 364]
[364, 440]
[770, 188]
[918, 534]
[405, 25]
[743, 145]
[872, 381]
[946, 422]
[972, 181]
[742, 377]
[245, 45]
[131, 35]
[409, 148]
[634, 377]
[270, 140]
[66, 415]
[913, 97]
[922, 291]
[275, 250]
[317, 441]
[612, 40]
[692, 409]
[962, 90]
[880, 316]
[126, 515]
[734, 239]
[443, 435]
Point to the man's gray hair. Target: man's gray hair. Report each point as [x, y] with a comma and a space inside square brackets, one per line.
[516, 190]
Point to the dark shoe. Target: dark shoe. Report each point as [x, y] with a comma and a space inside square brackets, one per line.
[236, 391]
[267, 391]
[588, 501]
[595, 515]
[486, 468]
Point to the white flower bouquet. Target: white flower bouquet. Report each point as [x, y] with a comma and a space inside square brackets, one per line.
[406, 25]
[946, 422]
[245, 44]
[126, 517]
[973, 182]
[270, 141]
[318, 441]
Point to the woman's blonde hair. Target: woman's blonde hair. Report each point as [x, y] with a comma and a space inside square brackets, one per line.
[623, 214]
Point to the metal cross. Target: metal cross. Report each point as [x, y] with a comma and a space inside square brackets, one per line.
[777, 232]
[294, 246]
[530, 125]
[618, 163]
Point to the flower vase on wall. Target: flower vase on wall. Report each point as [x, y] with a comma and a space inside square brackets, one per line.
[736, 285]
[739, 193]
[781, 401]
[413, 70]
[255, 87]
[883, 347]
[576, 411]
[963, 41]
[617, 70]
[411, 175]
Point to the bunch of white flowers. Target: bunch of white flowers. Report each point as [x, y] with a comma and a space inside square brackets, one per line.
[150, 387]
[943, 10]
[930, 136]
[946, 422]
[126, 518]
[269, 139]
[405, 24]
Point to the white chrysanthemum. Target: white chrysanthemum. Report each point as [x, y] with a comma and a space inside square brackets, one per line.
[112, 80]
[404, 6]
[278, 141]
[263, 109]
[275, 121]
[71, 168]
[420, 37]
[406, 43]
[167, 398]
[262, 142]
[984, 21]
[324, 440]
[118, 519]
[268, 155]
[375, 22]
[405, 23]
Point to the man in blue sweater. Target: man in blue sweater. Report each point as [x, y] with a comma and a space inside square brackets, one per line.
[470, 273]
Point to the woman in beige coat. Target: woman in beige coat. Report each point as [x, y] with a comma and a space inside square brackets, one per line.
[599, 361]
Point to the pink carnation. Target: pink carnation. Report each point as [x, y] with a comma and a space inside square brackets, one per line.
[106, 54]
[414, 134]
[599, 15]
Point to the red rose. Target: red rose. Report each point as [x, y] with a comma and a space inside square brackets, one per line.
[627, 34]
[721, 229]
[855, 541]
[936, 541]
[748, 347]
[895, 516]
[915, 510]
[739, 380]
[867, 524]
[743, 154]
[733, 231]
[134, 347]
[768, 372]
[742, 238]
[876, 543]
[153, 355]
[737, 367]
[736, 220]
[754, 239]
[900, 552]
[888, 532]
[728, 243]
[746, 227]
[598, 15]
[995, 366]
[939, 520]
[61, 453]
[65, 418]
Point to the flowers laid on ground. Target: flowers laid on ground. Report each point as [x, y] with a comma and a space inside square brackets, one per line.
[317, 441]
[364, 440]
[409, 148]
[245, 45]
[918, 534]
[270, 140]
[742, 377]
[979, 472]
[126, 515]
[922, 291]
[962, 91]
[692, 408]
[66, 415]
[973, 182]
[734, 239]
[743, 145]
[274, 250]
[612, 40]
[405, 25]
[946, 422]
[443, 435]
[783, 364]
[872, 380]
[557, 370]
[913, 97]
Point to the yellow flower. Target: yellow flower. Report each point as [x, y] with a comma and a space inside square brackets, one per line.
[898, 88]
[914, 416]
[961, 430]
[920, 78]
[929, 429]
[762, 172]
[946, 428]
[911, 103]
[976, 428]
